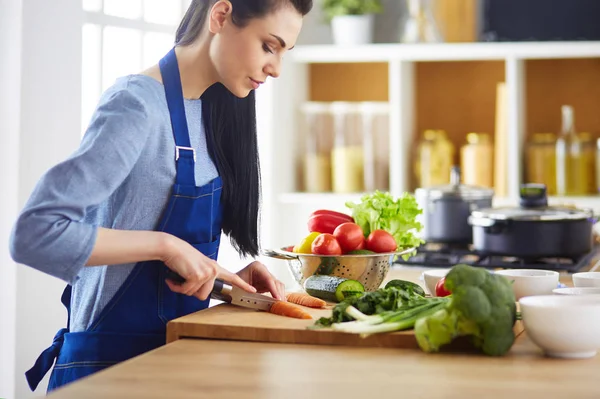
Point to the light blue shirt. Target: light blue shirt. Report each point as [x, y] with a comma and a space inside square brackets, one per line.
[120, 177]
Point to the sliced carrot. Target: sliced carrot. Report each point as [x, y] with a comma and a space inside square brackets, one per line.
[289, 309]
[305, 300]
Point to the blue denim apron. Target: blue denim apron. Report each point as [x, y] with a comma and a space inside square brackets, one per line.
[135, 319]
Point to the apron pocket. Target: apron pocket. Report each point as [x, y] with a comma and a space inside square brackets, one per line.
[84, 353]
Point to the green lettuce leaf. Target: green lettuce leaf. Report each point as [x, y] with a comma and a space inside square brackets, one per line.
[380, 211]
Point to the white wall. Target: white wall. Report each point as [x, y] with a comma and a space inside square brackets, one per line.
[49, 132]
[10, 46]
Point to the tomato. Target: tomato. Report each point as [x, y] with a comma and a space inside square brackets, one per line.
[349, 236]
[306, 244]
[361, 245]
[326, 244]
[381, 241]
[325, 223]
[332, 213]
[440, 290]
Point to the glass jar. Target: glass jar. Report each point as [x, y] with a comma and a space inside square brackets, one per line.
[435, 158]
[347, 154]
[376, 145]
[540, 159]
[477, 160]
[571, 175]
[316, 160]
[588, 154]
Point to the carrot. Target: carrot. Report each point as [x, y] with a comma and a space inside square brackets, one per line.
[305, 300]
[290, 310]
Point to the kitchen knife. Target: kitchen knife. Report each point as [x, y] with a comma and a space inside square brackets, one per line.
[225, 292]
[237, 296]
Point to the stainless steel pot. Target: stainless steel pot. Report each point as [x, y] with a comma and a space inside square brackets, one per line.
[533, 230]
[446, 210]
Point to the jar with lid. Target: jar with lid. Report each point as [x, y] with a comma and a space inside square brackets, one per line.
[347, 154]
[434, 159]
[477, 160]
[316, 160]
[541, 161]
[571, 175]
[597, 166]
[376, 145]
[588, 155]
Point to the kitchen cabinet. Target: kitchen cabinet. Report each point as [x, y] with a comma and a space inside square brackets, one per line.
[451, 86]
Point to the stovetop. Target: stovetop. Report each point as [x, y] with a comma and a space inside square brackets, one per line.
[446, 256]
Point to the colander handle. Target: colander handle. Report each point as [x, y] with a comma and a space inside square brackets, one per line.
[277, 255]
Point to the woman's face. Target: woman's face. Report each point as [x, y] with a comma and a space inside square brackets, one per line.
[245, 57]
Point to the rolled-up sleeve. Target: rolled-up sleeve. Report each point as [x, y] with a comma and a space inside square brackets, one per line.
[50, 234]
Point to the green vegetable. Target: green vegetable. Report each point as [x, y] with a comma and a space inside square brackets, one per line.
[390, 303]
[331, 288]
[406, 285]
[361, 252]
[482, 306]
[380, 211]
[326, 266]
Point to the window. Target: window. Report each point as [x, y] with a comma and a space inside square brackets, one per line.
[120, 37]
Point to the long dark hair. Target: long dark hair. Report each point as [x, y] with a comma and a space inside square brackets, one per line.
[230, 126]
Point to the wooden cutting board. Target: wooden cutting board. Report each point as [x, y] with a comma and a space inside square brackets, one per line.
[230, 322]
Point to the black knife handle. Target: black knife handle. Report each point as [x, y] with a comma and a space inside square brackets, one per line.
[218, 285]
[171, 275]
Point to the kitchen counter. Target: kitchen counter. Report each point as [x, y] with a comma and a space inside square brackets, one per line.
[198, 368]
[191, 368]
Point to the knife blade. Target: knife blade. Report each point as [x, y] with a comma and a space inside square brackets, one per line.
[225, 292]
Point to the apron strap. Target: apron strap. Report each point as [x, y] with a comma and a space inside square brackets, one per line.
[185, 155]
[44, 362]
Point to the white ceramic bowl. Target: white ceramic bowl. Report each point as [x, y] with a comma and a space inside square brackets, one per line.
[529, 282]
[431, 278]
[577, 291]
[564, 326]
[587, 279]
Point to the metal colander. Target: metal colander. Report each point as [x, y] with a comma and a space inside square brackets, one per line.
[369, 269]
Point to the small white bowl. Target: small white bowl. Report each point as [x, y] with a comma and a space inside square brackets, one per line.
[527, 282]
[431, 278]
[577, 291]
[564, 326]
[587, 279]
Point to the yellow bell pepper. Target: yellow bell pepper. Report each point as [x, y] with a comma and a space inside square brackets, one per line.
[305, 245]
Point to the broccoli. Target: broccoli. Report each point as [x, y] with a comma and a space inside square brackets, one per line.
[482, 306]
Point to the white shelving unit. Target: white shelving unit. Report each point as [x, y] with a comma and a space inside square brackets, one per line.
[285, 211]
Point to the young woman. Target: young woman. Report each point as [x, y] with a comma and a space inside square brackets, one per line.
[169, 161]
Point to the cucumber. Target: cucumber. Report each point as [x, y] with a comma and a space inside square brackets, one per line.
[331, 288]
[406, 285]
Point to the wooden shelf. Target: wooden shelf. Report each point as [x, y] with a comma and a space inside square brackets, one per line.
[439, 86]
[444, 52]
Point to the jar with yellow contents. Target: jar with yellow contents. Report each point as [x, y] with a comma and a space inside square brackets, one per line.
[477, 160]
[588, 155]
[434, 159]
[540, 159]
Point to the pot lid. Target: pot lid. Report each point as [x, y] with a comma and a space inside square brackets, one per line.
[456, 190]
[541, 214]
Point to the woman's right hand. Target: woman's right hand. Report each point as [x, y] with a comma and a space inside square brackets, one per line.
[198, 270]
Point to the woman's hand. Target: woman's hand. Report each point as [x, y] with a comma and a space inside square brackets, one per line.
[198, 270]
[259, 277]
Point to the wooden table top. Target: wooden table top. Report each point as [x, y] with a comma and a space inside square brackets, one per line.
[194, 368]
[202, 368]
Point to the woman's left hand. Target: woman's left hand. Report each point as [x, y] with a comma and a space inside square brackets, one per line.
[257, 275]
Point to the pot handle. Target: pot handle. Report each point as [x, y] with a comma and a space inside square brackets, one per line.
[278, 255]
[490, 226]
